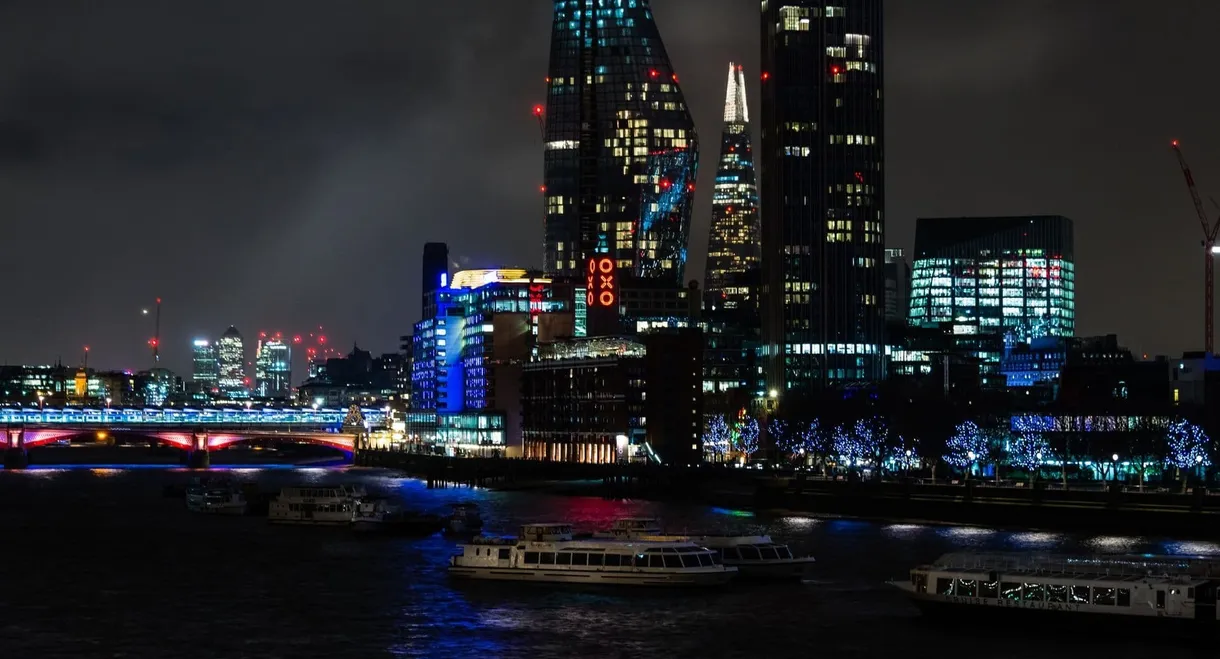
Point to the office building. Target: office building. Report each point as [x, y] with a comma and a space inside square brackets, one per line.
[206, 375]
[621, 150]
[897, 286]
[994, 279]
[823, 193]
[231, 362]
[273, 368]
[435, 275]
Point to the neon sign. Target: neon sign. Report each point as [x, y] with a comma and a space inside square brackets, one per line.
[601, 282]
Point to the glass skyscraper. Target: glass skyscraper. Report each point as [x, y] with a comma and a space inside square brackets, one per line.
[231, 358]
[273, 368]
[621, 149]
[733, 243]
[206, 366]
[823, 193]
[994, 279]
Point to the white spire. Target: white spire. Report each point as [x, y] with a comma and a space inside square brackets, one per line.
[735, 110]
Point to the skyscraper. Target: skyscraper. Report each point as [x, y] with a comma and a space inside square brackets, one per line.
[273, 368]
[621, 149]
[823, 198]
[206, 367]
[435, 270]
[732, 248]
[231, 359]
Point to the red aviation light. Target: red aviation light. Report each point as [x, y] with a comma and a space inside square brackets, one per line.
[653, 73]
[1174, 144]
[296, 339]
[542, 188]
[741, 68]
[675, 77]
[834, 70]
[665, 184]
[690, 187]
[538, 110]
[766, 76]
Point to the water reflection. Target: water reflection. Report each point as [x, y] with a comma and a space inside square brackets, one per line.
[1112, 543]
[1035, 540]
[902, 531]
[1192, 548]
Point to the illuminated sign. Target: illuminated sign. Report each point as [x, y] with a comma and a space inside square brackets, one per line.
[601, 282]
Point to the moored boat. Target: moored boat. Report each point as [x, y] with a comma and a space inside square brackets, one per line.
[216, 499]
[548, 553]
[381, 516]
[754, 556]
[464, 518]
[331, 505]
[1170, 594]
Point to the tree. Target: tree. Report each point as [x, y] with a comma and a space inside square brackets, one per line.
[1029, 450]
[717, 436]
[1146, 445]
[781, 439]
[966, 447]
[747, 437]
[874, 440]
[811, 442]
[905, 452]
[1187, 447]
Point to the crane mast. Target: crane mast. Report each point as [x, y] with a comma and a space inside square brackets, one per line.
[1209, 245]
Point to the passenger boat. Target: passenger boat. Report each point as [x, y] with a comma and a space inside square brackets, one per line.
[315, 504]
[547, 553]
[216, 499]
[754, 556]
[380, 515]
[1169, 593]
[464, 518]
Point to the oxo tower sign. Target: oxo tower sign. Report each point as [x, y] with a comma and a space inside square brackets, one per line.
[601, 282]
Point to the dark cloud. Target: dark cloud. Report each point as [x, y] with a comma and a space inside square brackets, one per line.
[279, 165]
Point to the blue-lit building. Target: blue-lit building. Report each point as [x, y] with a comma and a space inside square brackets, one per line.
[206, 375]
[621, 152]
[467, 359]
[273, 368]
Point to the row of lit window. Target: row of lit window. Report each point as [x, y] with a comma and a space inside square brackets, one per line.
[854, 140]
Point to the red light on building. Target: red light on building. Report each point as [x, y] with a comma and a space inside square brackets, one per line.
[296, 339]
[653, 73]
[322, 339]
[834, 70]
[665, 184]
[675, 77]
[766, 76]
[542, 188]
[538, 110]
[601, 282]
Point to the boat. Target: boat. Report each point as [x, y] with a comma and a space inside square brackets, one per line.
[754, 556]
[1171, 594]
[380, 515]
[548, 553]
[216, 499]
[332, 505]
[464, 518]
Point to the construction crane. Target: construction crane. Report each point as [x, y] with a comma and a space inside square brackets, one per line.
[1209, 251]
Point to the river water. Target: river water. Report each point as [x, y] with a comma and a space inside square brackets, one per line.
[98, 563]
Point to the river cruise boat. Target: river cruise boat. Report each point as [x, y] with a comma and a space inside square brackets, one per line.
[1169, 593]
[547, 553]
[332, 505]
[754, 556]
[216, 499]
[380, 515]
[464, 518]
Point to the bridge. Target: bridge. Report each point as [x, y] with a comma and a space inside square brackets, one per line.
[197, 431]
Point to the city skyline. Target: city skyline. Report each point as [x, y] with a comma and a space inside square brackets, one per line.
[137, 161]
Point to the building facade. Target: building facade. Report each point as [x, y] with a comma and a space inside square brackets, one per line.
[823, 193]
[206, 367]
[897, 286]
[273, 368]
[231, 364]
[621, 151]
[994, 280]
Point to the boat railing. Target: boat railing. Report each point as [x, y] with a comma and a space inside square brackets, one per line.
[1117, 566]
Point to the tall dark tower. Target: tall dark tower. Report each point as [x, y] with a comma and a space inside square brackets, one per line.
[621, 149]
[823, 193]
[435, 275]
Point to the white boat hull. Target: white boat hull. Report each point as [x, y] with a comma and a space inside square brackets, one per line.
[604, 578]
[785, 569]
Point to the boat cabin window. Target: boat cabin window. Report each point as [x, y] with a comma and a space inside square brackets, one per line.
[1055, 593]
[769, 553]
[673, 560]
[988, 589]
[944, 586]
[1103, 596]
[966, 588]
[596, 559]
[1010, 590]
[783, 551]
[1080, 595]
[563, 558]
[1124, 597]
[1033, 592]
[706, 560]
[749, 553]
[580, 559]
[1160, 599]
[614, 560]
[656, 560]
[505, 552]
[531, 558]
[546, 558]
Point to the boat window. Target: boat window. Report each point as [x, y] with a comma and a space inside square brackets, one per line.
[730, 554]
[783, 551]
[706, 560]
[673, 560]
[749, 553]
[546, 558]
[1160, 599]
[656, 560]
[1103, 596]
[944, 586]
[504, 553]
[595, 559]
[987, 589]
[1010, 591]
[966, 588]
[1056, 593]
[580, 559]
[1033, 592]
[531, 557]
[612, 560]
[563, 558]
[1080, 595]
[769, 553]
[1124, 597]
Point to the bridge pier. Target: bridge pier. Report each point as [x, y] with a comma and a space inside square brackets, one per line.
[15, 456]
[199, 457]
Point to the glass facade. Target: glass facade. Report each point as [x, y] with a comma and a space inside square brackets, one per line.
[823, 195]
[231, 361]
[994, 280]
[206, 366]
[733, 245]
[273, 368]
[621, 149]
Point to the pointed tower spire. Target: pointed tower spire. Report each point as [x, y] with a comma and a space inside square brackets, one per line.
[735, 109]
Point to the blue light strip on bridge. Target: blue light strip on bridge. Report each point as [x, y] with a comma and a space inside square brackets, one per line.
[173, 416]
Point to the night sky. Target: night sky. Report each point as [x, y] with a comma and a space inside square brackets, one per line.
[278, 165]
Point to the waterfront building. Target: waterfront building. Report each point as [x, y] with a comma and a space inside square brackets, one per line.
[435, 275]
[994, 279]
[615, 399]
[733, 241]
[273, 368]
[467, 359]
[206, 375]
[621, 151]
[823, 193]
[231, 363]
[156, 387]
[897, 286]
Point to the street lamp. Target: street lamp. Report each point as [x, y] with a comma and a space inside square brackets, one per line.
[40, 399]
[1114, 459]
[908, 462]
[107, 404]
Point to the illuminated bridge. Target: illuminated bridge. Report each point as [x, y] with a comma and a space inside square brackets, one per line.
[196, 431]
